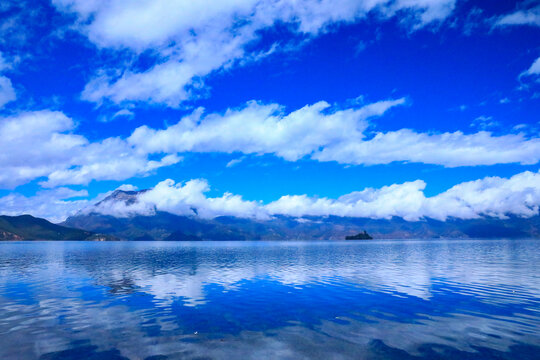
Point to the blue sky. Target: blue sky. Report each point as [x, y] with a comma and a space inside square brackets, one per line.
[265, 100]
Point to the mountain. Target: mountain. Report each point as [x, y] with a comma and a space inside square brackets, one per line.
[158, 225]
[27, 227]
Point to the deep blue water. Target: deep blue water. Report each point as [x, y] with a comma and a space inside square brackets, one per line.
[455, 299]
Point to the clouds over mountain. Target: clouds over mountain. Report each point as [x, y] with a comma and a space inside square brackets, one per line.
[134, 75]
[190, 40]
[491, 196]
[187, 199]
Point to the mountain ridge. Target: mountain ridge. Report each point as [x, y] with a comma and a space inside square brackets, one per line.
[28, 227]
[161, 225]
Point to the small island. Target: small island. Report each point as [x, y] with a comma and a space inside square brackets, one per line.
[360, 236]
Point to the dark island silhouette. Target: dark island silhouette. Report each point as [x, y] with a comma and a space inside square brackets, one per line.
[360, 236]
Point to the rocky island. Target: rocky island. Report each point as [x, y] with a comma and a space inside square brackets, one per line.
[360, 236]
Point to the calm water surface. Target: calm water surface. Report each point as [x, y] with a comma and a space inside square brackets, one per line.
[282, 300]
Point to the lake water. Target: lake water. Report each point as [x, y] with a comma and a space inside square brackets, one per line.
[459, 299]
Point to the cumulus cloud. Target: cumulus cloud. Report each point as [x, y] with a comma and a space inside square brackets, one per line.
[258, 128]
[192, 39]
[171, 81]
[182, 199]
[35, 144]
[327, 133]
[491, 196]
[402, 200]
[42, 144]
[108, 160]
[521, 17]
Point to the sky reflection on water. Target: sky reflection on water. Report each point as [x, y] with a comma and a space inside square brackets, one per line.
[379, 299]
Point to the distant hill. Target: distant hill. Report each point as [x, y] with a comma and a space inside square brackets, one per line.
[27, 227]
[167, 226]
[161, 226]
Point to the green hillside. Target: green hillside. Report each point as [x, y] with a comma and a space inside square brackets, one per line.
[27, 227]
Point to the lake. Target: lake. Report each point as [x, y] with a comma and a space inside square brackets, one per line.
[413, 299]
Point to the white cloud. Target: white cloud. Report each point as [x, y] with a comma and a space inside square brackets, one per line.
[118, 162]
[491, 196]
[403, 200]
[235, 162]
[182, 199]
[35, 144]
[127, 187]
[54, 205]
[41, 144]
[327, 133]
[258, 128]
[192, 39]
[124, 113]
[7, 92]
[484, 122]
[521, 17]
[447, 149]
[533, 70]
[117, 24]
[169, 82]
[4, 64]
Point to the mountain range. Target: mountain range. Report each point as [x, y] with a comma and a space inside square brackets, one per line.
[92, 224]
[167, 226]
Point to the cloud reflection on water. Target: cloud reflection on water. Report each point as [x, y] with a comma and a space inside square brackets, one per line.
[260, 298]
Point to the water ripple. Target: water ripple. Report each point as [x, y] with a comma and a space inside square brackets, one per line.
[381, 299]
